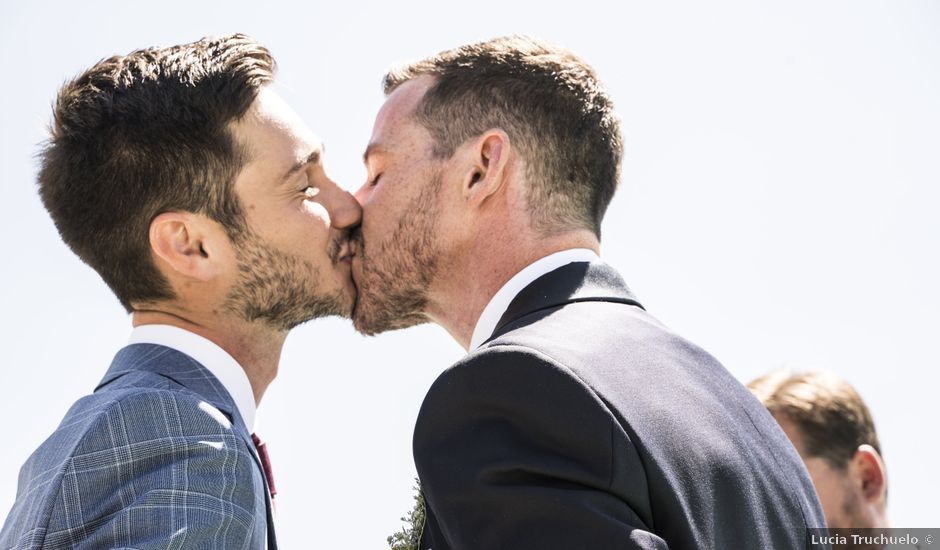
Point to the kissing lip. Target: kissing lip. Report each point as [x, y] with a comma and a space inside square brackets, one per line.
[347, 252]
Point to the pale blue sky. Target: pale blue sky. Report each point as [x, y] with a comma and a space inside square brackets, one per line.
[778, 207]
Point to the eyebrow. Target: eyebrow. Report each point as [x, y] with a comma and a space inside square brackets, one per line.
[374, 148]
[312, 158]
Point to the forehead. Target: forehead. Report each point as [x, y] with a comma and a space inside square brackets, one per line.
[401, 103]
[273, 132]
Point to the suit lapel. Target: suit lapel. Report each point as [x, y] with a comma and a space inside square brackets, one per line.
[575, 282]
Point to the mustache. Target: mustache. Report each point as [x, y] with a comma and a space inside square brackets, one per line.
[355, 235]
[341, 242]
[356, 240]
[348, 241]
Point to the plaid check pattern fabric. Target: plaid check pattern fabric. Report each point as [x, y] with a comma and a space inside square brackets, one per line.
[157, 457]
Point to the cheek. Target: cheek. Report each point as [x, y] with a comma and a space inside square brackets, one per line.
[390, 202]
[375, 199]
[315, 213]
[829, 486]
[376, 213]
[305, 229]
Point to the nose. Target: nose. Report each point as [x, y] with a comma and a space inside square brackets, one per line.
[345, 211]
[363, 193]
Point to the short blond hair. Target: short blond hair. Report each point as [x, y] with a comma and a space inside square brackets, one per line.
[830, 415]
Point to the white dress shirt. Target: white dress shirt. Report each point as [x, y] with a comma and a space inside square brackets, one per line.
[222, 365]
[500, 301]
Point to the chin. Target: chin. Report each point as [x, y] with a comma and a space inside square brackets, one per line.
[370, 325]
[347, 308]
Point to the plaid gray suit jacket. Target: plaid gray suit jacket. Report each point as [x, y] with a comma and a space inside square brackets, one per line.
[157, 457]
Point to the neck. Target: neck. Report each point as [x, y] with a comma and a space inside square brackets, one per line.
[256, 348]
[476, 273]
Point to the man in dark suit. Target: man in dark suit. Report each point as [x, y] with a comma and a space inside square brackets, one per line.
[576, 420]
[200, 198]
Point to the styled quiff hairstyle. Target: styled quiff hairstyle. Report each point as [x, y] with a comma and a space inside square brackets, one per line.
[143, 134]
[551, 105]
[830, 415]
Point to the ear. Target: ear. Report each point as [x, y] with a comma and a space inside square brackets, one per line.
[185, 244]
[869, 473]
[488, 167]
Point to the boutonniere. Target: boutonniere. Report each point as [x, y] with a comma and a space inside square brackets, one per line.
[409, 538]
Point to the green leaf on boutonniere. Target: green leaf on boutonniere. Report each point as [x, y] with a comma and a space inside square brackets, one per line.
[409, 538]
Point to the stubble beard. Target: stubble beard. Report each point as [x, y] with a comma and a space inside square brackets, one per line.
[396, 275]
[276, 289]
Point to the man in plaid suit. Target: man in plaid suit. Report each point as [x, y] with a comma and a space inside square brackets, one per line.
[201, 200]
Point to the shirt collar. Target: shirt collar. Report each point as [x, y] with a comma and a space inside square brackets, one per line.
[486, 324]
[208, 354]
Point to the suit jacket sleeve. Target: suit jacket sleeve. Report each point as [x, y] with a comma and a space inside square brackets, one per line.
[158, 469]
[515, 452]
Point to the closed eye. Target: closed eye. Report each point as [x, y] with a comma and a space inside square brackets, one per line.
[375, 180]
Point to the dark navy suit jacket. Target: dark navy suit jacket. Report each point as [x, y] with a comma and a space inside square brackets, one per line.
[584, 423]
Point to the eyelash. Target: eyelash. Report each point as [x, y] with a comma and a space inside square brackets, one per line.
[375, 180]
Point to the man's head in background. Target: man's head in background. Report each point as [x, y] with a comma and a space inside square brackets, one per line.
[833, 431]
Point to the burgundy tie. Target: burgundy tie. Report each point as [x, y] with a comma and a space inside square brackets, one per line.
[265, 463]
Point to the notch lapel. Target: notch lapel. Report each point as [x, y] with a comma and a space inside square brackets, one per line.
[574, 282]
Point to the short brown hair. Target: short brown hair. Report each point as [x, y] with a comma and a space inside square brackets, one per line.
[141, 134]
[548, 101]
[830, 415]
